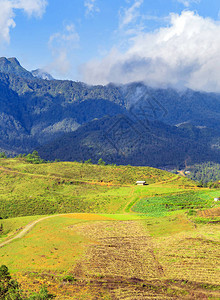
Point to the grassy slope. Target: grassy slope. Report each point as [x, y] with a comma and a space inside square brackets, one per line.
[106, 252]
[180, 259]
[27, 189]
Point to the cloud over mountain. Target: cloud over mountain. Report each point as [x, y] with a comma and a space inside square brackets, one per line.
[186, 53]
[61, 45]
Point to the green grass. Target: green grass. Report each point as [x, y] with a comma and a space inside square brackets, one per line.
[38, 249]
[168, 225]
[125, 217]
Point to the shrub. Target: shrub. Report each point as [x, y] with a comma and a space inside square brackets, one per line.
[42, 295]
[69, 278]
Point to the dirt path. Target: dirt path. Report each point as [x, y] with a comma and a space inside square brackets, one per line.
[35, 175]
[4, 169]
[182, 173]
[25, 230]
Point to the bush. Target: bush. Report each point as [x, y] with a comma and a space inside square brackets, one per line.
[101, 162]
[192, 212]
[69, 278]
[34, 158]
[42, 295]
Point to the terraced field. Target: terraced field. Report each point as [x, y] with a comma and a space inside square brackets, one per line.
[162, 205]
[213, 212]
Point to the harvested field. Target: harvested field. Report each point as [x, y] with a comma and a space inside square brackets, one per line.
[121, 248]
[123, 260]
[118, 259]
[191, 257]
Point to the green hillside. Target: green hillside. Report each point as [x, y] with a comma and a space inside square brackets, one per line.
[89, 232]
[63, 187]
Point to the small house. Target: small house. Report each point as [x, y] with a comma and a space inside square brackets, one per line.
[216, 199]
[141, 182]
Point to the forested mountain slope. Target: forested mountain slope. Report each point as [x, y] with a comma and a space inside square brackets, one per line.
[119, 140]
[35, 112]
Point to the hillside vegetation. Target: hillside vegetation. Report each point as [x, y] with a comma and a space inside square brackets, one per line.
[122, 141]
[63, 187]
[204, 173]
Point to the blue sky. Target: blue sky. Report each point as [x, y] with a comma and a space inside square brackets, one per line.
[162, 42]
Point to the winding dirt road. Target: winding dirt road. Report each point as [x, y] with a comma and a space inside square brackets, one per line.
[25, 230]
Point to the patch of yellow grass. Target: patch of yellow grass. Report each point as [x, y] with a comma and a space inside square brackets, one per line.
[191, 255]
[87, 217]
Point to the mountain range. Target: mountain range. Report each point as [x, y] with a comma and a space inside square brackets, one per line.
[124, 124]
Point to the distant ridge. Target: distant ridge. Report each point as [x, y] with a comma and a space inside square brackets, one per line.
[116, 140]
[12, 66]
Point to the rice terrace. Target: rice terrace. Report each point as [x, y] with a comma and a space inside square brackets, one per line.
[88, 231]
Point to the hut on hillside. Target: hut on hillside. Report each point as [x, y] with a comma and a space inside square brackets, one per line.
[216, 199]
[141, 183]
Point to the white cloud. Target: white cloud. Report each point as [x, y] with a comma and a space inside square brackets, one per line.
[184, 54]
[129, 15]
[67, 38]
[8, 13]
[31, 7]
[91, 7]
[61, 45]
[187, 3]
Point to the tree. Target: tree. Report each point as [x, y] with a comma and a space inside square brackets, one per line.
[101, 162]
[89, 161]
[1, 228]
[35, 154]
[9, 288]
[3, 155]
[34, 158]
